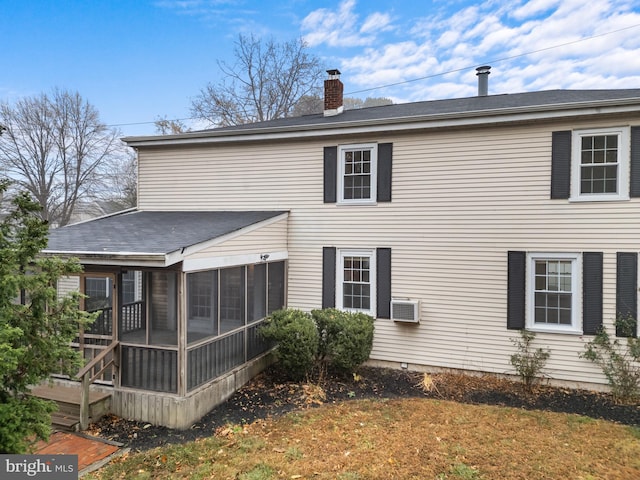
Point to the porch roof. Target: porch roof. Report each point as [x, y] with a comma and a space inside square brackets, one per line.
[155, 238]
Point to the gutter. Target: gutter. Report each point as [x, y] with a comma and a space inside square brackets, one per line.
[111, 258]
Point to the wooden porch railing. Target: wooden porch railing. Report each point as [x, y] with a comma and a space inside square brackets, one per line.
[88, 376]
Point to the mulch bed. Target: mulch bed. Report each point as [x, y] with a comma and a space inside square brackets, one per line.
[269, 395]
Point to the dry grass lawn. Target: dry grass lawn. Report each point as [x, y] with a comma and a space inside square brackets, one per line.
[400, 439]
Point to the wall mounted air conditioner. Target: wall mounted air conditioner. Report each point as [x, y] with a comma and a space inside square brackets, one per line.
[405, 310]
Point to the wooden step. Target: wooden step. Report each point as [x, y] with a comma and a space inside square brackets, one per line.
[64, 422]
[67, 417]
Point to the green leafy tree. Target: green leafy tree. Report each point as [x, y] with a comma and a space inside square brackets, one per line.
[36, 327]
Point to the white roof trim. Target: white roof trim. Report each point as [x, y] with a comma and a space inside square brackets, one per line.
[210, 263]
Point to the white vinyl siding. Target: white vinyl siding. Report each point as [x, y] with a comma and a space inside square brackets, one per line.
[461, 201]
[68, 284]
[268, 238]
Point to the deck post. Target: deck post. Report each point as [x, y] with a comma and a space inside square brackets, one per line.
[85, 375]
[84, 402]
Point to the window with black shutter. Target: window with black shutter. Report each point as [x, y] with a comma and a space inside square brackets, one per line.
[358, 174]
[543, 292]
[357, 280]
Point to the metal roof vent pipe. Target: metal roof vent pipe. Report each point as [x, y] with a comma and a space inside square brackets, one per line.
[483, 80]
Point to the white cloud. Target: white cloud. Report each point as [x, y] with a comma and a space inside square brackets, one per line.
[217, 12]
[394, 63]
[187, 5]
[342, 28]
[534, 8]
[376, 22]
[532, 45]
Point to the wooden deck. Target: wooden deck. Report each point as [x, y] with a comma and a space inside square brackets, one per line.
[67, 417]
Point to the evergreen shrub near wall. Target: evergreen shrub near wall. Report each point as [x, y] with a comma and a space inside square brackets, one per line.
[346, 338]
[341, 340]
[297, 338]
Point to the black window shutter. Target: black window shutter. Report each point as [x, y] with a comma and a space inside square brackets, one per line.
[328, 277]
[591, 292]
[383, 286]
[634, 184]
[330, 174]
[627, 288]
[561, 164]
[385, 156]
[516, 271]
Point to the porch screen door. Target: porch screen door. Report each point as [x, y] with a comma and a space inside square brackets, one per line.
[99, 297]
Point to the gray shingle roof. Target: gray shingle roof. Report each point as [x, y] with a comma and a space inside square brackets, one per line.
[549, 100]
[142, 232]
[486, 104]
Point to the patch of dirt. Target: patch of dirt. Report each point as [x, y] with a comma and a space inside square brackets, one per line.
[269, 395]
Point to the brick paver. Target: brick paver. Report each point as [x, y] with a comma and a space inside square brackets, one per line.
[89, 451]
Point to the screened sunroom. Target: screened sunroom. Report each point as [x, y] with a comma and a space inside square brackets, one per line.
[180, 297]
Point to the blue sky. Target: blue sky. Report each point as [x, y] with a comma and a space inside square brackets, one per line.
[143, 59]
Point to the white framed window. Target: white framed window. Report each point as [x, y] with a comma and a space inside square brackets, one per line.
[554, 292]
[600, 164]
[357, 173]
[356, 280]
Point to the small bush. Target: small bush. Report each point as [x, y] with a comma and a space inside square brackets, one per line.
[328, 326]
[297, 338]
[342, 340]
[528, 362]
[619, 363]
[345, 338]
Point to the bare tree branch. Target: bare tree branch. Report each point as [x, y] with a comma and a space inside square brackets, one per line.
[265, 82]
[54, 147]
[164, 126]
[120, 183]
[310, 104]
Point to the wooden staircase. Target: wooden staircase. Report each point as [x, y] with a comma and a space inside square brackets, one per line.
[68, 398]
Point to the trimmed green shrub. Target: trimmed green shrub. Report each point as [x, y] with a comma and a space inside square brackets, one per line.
[328, 327]
[345, 338]
[342, 340]
[297, 338]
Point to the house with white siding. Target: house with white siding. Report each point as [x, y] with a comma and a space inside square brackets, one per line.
[454, 223]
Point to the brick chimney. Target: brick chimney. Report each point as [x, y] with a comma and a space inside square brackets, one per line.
[333, 89]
